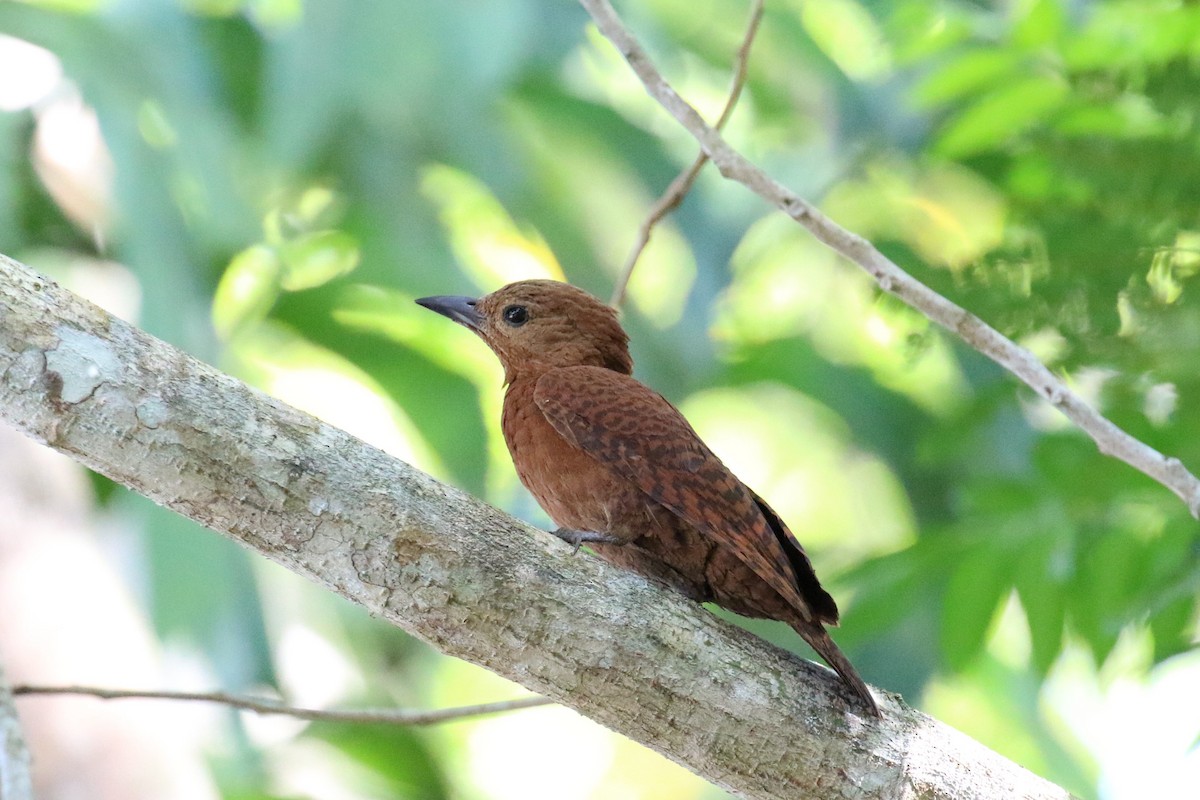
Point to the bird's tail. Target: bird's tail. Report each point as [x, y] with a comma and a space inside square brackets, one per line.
[818, 638]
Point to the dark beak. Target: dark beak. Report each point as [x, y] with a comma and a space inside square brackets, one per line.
[460, 309]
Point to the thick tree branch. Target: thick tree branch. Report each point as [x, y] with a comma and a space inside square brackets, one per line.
[455, 572]
[266, 705]
[1109, 438]
[682, 184]
[15, 780]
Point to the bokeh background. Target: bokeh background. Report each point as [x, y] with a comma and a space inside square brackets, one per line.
[269, 183]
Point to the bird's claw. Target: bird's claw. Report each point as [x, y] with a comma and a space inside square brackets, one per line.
[579, 538]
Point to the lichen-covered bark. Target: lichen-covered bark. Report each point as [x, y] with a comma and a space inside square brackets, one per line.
[459, 574]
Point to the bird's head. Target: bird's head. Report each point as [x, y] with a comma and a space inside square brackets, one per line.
[537, 325]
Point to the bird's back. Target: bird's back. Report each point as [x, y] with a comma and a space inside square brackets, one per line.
[603, 453]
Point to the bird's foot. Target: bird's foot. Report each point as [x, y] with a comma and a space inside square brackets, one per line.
[579, 538]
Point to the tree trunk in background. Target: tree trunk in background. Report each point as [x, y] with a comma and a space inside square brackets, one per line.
[15, 782]
[69, 619]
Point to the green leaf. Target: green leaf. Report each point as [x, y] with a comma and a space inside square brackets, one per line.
[972, 71]
[1127, 117]
[1098, 601]
[970, 604]
[1040, 581]
[1172, 627]
[849, 35]
[1130, 36]
[1001, 115]
[317, 258]
[886, 588]
[247, 290]
[1042, 23]
[398, 755]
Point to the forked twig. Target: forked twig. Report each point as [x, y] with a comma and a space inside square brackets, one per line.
[682, 183]
[1109, 438]
[263, 705]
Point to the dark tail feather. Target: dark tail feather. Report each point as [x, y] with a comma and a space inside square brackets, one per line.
[820, 641]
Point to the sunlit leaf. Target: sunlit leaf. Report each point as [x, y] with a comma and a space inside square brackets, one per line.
[247, 290]
[155, 128]
[485, 238]
[970, 71]
[69, 6]
[314, 202]
[277, 14]
[1000, 115]
[1129, 116]
[317, 258]
[1164, 284]
[771, 298]
[948, 214]
[1040, 23]
[1131, 35]
[213, 8]
[849, 36]
[920, 31]
[1185, 256]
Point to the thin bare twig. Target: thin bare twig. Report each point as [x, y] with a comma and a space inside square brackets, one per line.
[263, 705]
[1109, 438]
[682, 183]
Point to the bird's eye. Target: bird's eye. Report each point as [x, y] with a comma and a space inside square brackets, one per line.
[516, 315]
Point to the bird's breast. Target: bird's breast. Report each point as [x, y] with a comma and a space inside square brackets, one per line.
[577, 491]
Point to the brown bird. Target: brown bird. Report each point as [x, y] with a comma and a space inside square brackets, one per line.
[617, 466]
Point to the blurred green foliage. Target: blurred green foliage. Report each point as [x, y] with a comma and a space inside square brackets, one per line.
[287, 176]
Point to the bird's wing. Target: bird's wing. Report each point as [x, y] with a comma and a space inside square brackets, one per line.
[635, 431]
